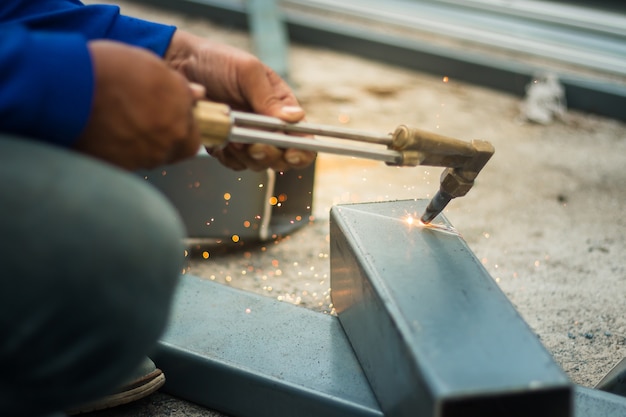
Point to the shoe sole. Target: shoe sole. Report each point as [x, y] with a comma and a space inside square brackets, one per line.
[138, 390]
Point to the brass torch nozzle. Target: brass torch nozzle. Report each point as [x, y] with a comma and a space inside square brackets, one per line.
[457, 181]
[463, 161]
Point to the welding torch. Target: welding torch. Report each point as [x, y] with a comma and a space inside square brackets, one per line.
[219, 125]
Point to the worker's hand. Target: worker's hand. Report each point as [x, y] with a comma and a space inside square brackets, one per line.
[142, 111]
[242, 81]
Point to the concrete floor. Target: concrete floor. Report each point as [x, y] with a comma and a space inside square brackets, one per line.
[546, 216]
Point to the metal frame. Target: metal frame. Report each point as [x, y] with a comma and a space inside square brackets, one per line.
[278, 359]
[224, 345]
[603, 96]
[253, 356]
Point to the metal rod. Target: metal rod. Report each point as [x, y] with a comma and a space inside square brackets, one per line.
[244, 135]
[598, 48]
[266, 122]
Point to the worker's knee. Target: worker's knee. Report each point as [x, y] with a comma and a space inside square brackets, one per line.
[91, 256]
[86, 231]
[139, 254]
[134, 256]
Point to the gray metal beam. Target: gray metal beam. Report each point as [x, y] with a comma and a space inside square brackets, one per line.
[432, 330]
[580, 36]
[252, 356]
[587, 93]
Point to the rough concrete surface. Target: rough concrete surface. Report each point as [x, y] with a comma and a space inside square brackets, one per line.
[546, 215]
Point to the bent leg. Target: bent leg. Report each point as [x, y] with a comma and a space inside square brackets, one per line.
[89, 259]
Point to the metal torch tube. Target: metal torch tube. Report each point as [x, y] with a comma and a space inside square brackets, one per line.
[251, 120]
[250, 136]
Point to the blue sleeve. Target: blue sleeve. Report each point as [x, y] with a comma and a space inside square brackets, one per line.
[47, 84]
[46, 74]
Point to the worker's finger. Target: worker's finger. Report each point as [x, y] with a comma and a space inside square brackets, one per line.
[272, 96]
[265, 156]
[197, 90]
[228, 156]
[267, 93]
[297, 158]
[187, 144]
[290, 113]
[256, 157]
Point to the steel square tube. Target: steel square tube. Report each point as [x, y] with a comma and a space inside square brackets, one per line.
[200, 368]
[253, 356]
[433, 332]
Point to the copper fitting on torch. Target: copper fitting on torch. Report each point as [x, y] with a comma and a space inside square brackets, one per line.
[214, 122]
[420, 147]
[463, 162]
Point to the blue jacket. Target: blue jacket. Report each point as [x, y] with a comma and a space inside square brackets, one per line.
[46, 74]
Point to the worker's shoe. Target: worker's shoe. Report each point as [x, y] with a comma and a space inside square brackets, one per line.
[146, 379]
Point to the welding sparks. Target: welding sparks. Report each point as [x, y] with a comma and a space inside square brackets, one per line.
[440, 227]
[412, 220]
[343, 118]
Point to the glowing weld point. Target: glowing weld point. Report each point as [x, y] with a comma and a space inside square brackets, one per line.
[440, 227]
